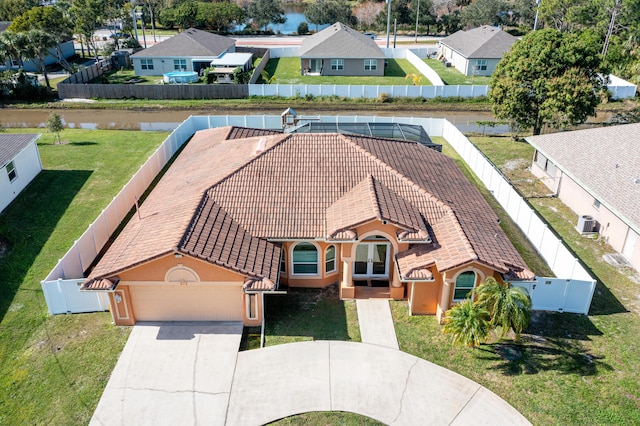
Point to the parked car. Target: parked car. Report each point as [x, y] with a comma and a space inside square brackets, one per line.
[119, 35]
[372, 36]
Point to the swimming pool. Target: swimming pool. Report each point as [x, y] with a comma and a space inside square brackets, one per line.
[180, 77]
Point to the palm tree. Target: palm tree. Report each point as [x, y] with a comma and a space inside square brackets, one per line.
[508, 306]
[40, 45]
[468, 323]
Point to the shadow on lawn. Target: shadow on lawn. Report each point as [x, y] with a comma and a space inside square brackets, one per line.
[28, 222]
[554, 341]
[315, 313]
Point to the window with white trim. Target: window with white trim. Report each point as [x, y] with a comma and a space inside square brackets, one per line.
[330, 259]
[596, 203]
[370, 64]
[11, 171]
[146, 64]
[463, 286]
[179, 64]
[252, 306]
[481, 64]
[337, 64]
[305, 259]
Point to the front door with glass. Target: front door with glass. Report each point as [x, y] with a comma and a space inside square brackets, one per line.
[372, 260]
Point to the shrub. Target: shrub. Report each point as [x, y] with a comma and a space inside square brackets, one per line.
[303, 28]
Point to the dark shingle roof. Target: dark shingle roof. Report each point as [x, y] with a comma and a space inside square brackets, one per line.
[339, 41]
[4, 25]
[12, 144]
[482, 42]
[605, 161]
[189, 43]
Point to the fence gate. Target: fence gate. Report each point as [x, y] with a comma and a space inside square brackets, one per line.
[560, 295]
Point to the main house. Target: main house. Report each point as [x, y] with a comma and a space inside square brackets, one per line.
[596, 172]
[242, 212]
[19, 164]
[191, 50]
[341, 50]
[476, 52]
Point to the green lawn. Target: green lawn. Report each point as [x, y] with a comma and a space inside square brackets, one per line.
[452, 76]
[53, 369]
[568, 369]
[303, 315]
[287, 71]
[129, 77]
[327, 418]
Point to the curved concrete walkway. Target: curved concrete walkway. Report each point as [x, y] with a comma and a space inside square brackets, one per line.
[382, 383]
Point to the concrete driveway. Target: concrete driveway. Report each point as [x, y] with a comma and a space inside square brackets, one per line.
[172, 374]
[192, 374]
[382, 383]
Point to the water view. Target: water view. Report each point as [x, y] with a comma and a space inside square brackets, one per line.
[295, 16]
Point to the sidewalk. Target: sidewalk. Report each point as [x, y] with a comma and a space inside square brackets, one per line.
[376, 324]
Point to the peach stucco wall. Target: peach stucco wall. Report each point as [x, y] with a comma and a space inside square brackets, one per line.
[322, 279]
[155, 270]
[612, 228]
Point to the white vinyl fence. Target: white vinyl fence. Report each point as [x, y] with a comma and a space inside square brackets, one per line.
[571, 293]
[619, 88]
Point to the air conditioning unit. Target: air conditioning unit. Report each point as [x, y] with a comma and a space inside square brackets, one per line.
[587, 224]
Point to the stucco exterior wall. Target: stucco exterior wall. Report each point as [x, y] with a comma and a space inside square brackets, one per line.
[322, 279]
[157, 269]
[574, 196]
[27, 166]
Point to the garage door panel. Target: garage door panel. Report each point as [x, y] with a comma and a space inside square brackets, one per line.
[172, 302]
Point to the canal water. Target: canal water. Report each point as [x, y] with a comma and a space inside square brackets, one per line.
[158, 120]
[295, 16]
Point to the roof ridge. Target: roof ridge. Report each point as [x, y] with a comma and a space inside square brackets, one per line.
[285, 137]
[394, 171]
[375, 201]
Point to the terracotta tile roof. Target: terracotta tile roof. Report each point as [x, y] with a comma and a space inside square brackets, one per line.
[247, 132]
[167, 212]
[257, 284]
[438, 175]
[215, 237]
[371, 200]
[100, 284]
[223, 198]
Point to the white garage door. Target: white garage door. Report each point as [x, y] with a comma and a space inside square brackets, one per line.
[174, 302]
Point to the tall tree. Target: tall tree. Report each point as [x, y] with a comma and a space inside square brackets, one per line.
[484, 12]
[11, 9]
[39, 47]
[423, 10]
[509, 307]
[14, 46]
[323, 12]
[265, 12]
[50, 20]
[87, 16]
[367, 11]
[548, 78]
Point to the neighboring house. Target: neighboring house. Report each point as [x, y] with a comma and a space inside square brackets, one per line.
[340, 50]
[243, 212]
[191, 50]
[596, 172]
[66, 49]
[225, 66]
[19, 164]
[476, 52]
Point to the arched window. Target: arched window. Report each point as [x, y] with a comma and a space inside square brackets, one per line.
[330, 259]
[464, 284]
[305, 259]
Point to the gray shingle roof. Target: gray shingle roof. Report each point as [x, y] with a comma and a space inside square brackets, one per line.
[11, 145]
[483, 42]
[4, 25]
[339, 41]
[604, 161]
[189, 43]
